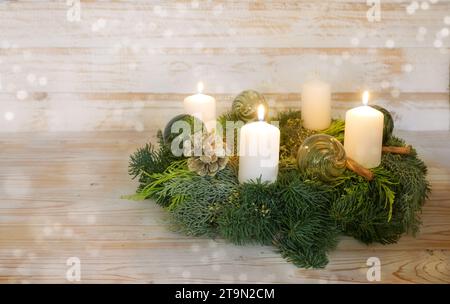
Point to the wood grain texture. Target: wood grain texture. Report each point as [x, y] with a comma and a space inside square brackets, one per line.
[178, 70]
[144, 112]
[60, 198]
[55, 74]
[239, 23]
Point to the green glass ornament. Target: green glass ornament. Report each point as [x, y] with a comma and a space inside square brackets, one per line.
[388, 127]
[245, 105]
[195, 124]
[322, 156]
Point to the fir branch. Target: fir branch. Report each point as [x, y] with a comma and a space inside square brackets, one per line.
[155, 187]
[412, 188]
[150, 159]
[336, 129]
[307, 231]
[252, 215]
[145, 159]
[202, 198]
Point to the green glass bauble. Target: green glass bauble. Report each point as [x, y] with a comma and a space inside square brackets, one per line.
[322, 156]
[388, 127]
[169, 134]
[245, 105]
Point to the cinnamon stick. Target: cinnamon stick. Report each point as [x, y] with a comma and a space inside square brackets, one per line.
[358, 169]
[397, 150]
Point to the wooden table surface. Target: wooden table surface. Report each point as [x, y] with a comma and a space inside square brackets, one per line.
[60, 198]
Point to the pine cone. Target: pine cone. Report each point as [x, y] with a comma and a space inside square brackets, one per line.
[210, 162]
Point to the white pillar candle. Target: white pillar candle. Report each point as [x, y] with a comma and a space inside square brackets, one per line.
[316, 105]
[201, 106]
[364, 134]
[259, 149]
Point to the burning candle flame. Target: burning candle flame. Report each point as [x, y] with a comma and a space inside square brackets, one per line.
[365, 98]
[261, 112]
[200, 87]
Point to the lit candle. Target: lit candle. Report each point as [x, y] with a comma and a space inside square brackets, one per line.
[316, 105]
[201, 106]
[259, 149]
[364, 134]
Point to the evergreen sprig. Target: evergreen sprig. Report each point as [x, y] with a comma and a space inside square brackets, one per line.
[336, 129]
[307, 231]
[412, 188]
[251, 215]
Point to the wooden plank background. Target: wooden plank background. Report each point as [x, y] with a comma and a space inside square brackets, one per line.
[127, 65]
[60, 198]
